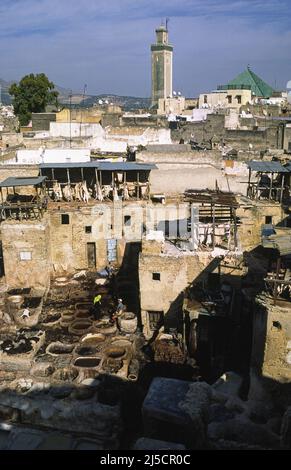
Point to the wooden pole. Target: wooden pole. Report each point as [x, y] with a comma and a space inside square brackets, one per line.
[249, 184]
[282, 187]
[235, 227]
[68, 175]
[213, 226]
[275, 292]
[138, 185]
[271, 186]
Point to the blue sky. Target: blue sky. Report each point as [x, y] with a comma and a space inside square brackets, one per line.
[106, 43]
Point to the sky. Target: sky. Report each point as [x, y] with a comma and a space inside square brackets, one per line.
[105, 44]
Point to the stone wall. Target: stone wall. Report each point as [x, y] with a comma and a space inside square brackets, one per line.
[214, 128]
[28, 239]
[287, 138]
[252, 217]
[166, 294]
[6, 171]
[186, 156]
[271, 350]
[58, 142]
[152, 121]
[41, 121]
[11, 139]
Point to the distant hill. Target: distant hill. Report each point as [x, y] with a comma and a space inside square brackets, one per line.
[78, 99]
[126, 102]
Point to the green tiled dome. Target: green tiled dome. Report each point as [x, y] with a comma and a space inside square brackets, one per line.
[248, 79]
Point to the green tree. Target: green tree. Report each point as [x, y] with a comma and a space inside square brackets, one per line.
[32, 95]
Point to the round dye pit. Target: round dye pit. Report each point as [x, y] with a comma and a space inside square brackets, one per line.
[80, 327]
[83, 306]
[82, 315]
[115, 352]
[86, 350]
[92, 339]
[56, 349]
[87, 362]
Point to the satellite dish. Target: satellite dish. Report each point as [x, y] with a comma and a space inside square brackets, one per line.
[174, 93]
[100, 102]
[179, 93]
[106, 102]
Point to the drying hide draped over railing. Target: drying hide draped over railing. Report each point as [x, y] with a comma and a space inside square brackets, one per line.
[97, 180]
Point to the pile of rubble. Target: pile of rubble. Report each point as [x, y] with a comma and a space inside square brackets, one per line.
[200, 416]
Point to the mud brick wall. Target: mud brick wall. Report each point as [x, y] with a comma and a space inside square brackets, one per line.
[176, 273]
[26, 236]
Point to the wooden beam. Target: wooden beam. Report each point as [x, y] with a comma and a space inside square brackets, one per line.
[235, 227]
[282, 187]
[249, 184]
[271, 186]
[213, 226]
[277, 274]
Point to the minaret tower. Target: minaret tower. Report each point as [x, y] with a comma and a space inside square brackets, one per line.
[162, 66]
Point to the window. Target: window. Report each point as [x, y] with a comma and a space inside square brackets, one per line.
[88, 229]
[229, 99]
[155, 319]
[65, 219]
[268, 219]
[205, 99]
[238, 97]
[25, 255]
[156, 276]
[127, 220]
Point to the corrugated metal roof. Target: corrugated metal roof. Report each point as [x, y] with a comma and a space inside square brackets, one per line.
[267, 167]
[29, 181]
[69, 165]
[103, 166]
[126, 166]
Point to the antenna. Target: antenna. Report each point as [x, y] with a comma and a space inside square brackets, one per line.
[70, 101]
[167, 22]
[81, 120]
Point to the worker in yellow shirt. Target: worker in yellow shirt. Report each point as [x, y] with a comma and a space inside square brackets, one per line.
[97, 306]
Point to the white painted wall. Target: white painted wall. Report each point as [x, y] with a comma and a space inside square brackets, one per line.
[52, 156]
[74, 129]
